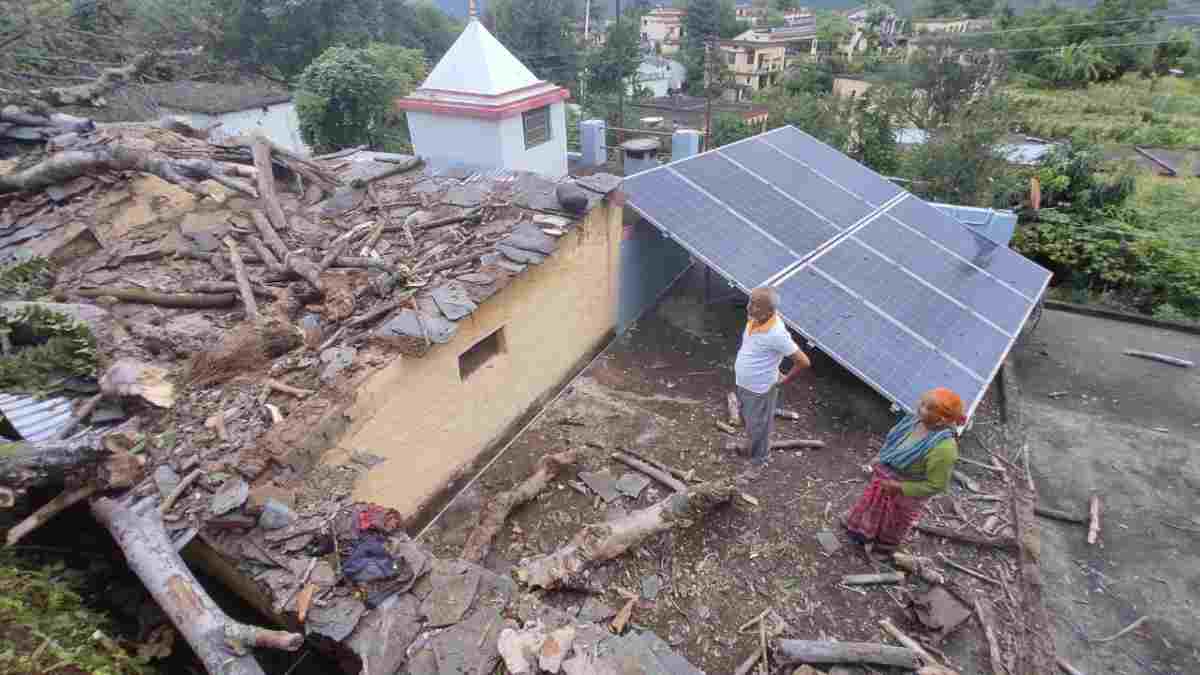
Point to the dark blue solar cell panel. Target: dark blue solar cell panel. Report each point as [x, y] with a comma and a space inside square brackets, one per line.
[938, 371]
[820, 195]
[725, 241]
[1009, 266]
[845, 171]
[861, 339]
[951, 328]
[965, 282]
[782, 218]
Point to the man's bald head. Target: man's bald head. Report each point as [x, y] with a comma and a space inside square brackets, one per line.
[763, 303]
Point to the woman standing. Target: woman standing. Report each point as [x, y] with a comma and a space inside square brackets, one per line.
[914, 464]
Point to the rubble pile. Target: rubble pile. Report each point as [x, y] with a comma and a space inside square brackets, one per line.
[237, 294]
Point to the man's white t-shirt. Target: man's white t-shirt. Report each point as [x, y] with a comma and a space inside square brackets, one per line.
[757, 364]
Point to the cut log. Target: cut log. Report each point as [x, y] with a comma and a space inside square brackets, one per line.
[868, 579]
[265, 254]
[922, 567]
[1068, 668]
[182, 487]
[984, 612]
[91, 92]
[604, 541]
[81, 415]
[1128, 629]
[797, 443]
[176, 300]
[62, 502]
[792, 652]
[217, 640]
[219, 287]
[266, 186]
[685, 476]
[652, 471]
[243, 281]
[443, 222]
[451, 263]
[734, 410]
[726, 427]
[1094, 523]
[408, 165]
[922, 653]
[946, 533]
[479, 543]
[969, 571]
[287, 388]
[1161, 358]
[271, 237]
[1034, 633]
[1054, 514]
[64, 166]
[25, 466]
[749, 663]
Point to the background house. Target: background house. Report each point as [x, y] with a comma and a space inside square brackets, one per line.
[660, 76]
[239, 109]
[663, 28]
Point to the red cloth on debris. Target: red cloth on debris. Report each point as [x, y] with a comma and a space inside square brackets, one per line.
[884, 520]
[375, 517]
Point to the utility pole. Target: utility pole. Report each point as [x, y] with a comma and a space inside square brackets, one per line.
[621, 89]
[709, 76]
[587, 16]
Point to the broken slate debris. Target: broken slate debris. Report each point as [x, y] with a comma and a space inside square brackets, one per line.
[520, 255]
[454, 586]
[829, 541]
[165, 479]
[603, 183]
[335, 621]
[572, 197]
[632, 484]
[336, 360]
[651, 585]
[276, 515]
[529, 237]
[418, 325]
[498, 260]
[602, 483]
[230, 496]
[453, 300]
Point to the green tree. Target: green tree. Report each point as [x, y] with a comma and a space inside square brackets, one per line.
[342, 98]
[961, 162]
[610, 67]
[1076, 65]
[727, 128]
[831, 27]
[728, 25]
[932, 88]
[809, 78]
[541, 34]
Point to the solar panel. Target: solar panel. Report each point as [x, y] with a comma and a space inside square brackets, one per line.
[817, 193]
[948, 273]
[1022, 274]
[953, 329]
[908, 299]
[838, 167]
[781, 217]
[706, 228]
[866, 342]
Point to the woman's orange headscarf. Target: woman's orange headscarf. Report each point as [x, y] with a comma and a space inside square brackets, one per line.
[944, 407]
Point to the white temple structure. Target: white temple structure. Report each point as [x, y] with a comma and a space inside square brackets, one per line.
[482, 107]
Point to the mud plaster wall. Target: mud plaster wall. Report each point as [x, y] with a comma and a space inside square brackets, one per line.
[429, 424]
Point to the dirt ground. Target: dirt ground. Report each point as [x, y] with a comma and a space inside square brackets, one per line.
[658, 390]
[1128, 430]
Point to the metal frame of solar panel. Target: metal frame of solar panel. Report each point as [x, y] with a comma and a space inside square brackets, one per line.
[899, 293]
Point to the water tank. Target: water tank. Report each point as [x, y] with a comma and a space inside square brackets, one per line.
[639, 154]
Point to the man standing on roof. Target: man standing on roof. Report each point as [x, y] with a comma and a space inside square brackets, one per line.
[765, 344]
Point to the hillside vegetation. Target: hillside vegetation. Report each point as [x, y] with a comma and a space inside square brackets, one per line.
[1163, 112]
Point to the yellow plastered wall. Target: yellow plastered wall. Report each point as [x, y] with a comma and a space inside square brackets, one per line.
[429, 424]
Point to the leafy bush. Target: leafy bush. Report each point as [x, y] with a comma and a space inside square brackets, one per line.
[26, 280]
[345, 97]
[46, 346]
[342, 97]
[48, 628]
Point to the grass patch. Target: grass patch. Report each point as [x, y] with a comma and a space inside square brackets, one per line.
[1129, 110]
[46, 627]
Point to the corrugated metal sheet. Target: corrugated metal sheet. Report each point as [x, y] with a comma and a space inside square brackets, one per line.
[36, 419]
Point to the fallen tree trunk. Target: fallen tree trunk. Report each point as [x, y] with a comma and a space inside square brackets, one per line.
[91, 92]
[947, 533]
[1036, 655]
[24, 466]
[64, 166]
[604, 541]
[243, 282]
[178, 300]
[651, 471]
[496, 512]
[266, 185]
[217, 640]
[791, 652]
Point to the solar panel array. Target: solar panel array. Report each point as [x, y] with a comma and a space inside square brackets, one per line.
[895, 290]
